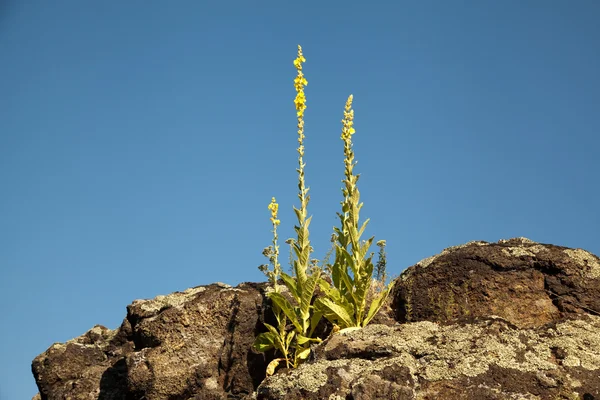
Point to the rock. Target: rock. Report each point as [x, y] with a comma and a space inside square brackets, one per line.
[509, 320]
[527, 283]
[90, 366]
[191, 344]
[196, 344]
[488, 359]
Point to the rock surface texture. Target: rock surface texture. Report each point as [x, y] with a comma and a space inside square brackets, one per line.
[194, 344]
[509, 320]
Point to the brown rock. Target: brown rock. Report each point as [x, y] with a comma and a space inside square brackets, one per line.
[488, 359]
[527, 283]
[191, 344]
[507, 320]
[90, 366]
[196, 344]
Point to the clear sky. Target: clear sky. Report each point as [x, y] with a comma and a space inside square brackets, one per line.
[141, 141]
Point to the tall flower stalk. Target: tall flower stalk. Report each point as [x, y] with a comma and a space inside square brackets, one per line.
[301, 245]
[303, 283]
[272, 252]
[347, 301]
[345, 304]
[276, 337]
[380, 267]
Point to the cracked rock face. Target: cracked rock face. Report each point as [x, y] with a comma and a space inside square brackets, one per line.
[196, 344]
[509, 320]
[489, 359]
[87, 367]
[527, 283]
[191, 344]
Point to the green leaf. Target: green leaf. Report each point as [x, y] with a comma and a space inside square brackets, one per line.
[306, 297]
[290, 282]
[303, 340]
[287, 309]
[307, 223]
[298, 213]
[339, 312]
[330, 292]
[349, 261]
[288, 340]
[277, 339]
[264, 342]
[303, 354]
[364, 249]
[336, 269]
[347, 287]
[324, 286]
[272, 329]
[362, 228]
[377, 303]
[338, 298]
[296, 251]
[314, 320]
[362, 285]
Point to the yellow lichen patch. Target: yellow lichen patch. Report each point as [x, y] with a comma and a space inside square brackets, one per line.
[106, 334]
[525, 350]
[434, 353]
[309, 377]
[172, 300]
[98, 330]
[522, 240]
[589, 263]
[530, 251]
[427, 261]
[511, 251]
[581, 342]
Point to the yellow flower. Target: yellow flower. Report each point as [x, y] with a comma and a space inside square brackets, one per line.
[299, 83]
[300, 100]
[300, 59]
[348, 121]
[274, 207]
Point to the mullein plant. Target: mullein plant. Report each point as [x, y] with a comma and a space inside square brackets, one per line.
[276, 337]
[380, 267]
[345, 301]
[294, 343]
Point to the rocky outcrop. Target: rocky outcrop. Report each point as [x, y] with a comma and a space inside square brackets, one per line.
[191, 344]
[509, 320]
[526, 283]
[90, 366]
[488, 359]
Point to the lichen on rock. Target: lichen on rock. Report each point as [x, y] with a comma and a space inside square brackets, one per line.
[514, 319]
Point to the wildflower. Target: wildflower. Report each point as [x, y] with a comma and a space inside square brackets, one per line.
[348, 121]
[299, 83]
[274, 207]
[298, 61]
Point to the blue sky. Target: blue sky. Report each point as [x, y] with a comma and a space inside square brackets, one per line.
[141, 141]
